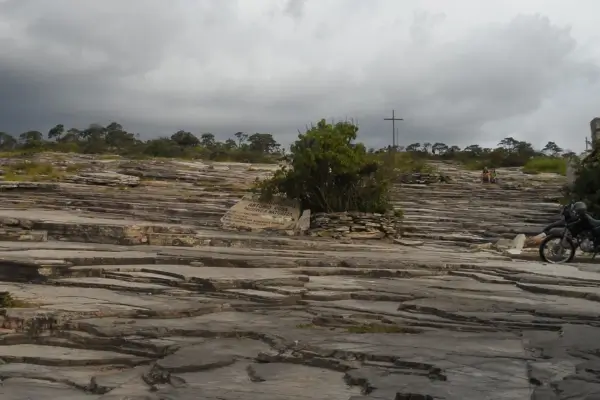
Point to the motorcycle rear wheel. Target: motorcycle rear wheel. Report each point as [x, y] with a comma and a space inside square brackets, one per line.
[568, 250]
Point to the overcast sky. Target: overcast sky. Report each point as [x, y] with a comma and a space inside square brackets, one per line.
[459, 71]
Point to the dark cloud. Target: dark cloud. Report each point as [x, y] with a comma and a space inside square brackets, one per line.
[159, 66]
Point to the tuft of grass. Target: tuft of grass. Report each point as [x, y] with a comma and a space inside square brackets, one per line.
[32, 172]
[538, 165]
[8, 301]
[37, 172]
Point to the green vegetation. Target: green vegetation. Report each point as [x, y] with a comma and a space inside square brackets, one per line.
[509, 153]
[587, 184]
[538, 165]
[330, 172]
[31, 172]
[113, 141]
[8, 301]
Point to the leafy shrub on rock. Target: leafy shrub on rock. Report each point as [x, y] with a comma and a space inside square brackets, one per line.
[330, 172]
[587, 184]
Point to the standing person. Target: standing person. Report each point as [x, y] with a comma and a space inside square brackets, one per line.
[485, 175]
[494, 176]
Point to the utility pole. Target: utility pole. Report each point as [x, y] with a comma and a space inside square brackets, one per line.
[393, 119]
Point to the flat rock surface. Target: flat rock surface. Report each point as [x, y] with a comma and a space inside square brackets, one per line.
[52, 355]
[323, 324]
[105, 313]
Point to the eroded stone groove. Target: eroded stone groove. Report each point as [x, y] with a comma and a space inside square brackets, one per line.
[131, 292]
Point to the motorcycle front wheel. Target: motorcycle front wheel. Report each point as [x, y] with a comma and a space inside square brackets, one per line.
[552, 252]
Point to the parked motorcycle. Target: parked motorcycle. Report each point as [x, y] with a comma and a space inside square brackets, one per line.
[575, 229]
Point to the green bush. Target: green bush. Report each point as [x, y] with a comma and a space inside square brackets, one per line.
[587, 184]
[538, 165]
[329, 172]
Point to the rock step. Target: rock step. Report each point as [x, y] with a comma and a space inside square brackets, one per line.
[466, 211]
[490, 233]
[130, 204]
[167, 279]
[485, 218]
[23, 235]
[67, 201]
[206, 219]
[476, 190]
[467, 201]
[206, 214]
[468, 223]
[469, 197]
[464, 238]
[59, 356]
[221, 239]
[508, 185]
[61, 225]
[454, 196]
[460, 209]
[544, 197]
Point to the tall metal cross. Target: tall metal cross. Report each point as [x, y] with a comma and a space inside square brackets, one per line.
[393, 119]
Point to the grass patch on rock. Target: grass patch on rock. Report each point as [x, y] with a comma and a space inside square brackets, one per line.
[8, 301]
[406, 162]
[537, 165]
[30, 171]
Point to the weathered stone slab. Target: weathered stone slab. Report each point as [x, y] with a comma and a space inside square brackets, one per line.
[252, 214]
[273, 381]
[21, 388]
[72, 376]
[112, 284]
[105, 178]
[60, 356]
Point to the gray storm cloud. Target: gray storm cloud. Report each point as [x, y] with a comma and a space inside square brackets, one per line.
[270, 66]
